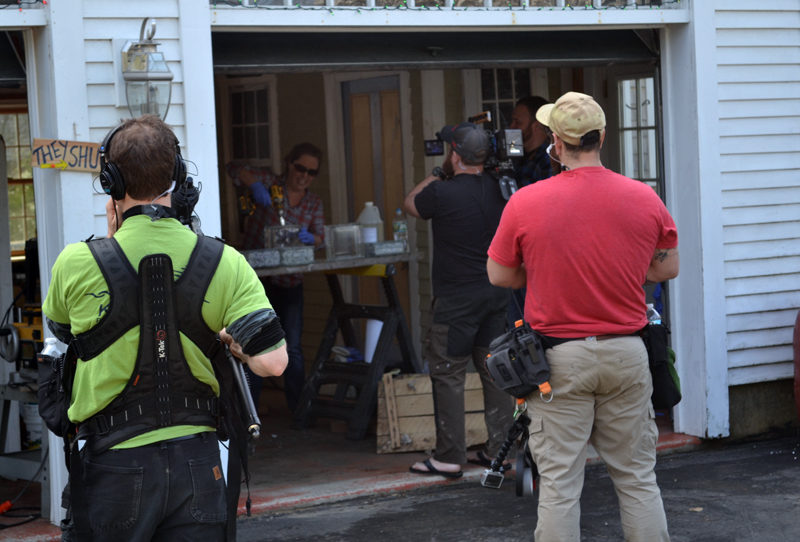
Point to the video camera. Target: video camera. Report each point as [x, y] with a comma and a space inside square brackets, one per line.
[505, 147]
[183, 201]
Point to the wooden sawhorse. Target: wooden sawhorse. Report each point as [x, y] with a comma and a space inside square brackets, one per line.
[358, 376]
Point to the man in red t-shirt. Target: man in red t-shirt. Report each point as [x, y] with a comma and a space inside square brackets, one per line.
[584, 243]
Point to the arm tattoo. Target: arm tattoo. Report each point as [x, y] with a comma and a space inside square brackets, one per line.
[661, 255]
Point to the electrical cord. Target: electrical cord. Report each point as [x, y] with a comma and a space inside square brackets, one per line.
[8, 310]
[7, 506]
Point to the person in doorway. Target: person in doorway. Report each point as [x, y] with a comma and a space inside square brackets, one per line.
[145, 395]
[468, 312]
[543, 116]
[287, 196]
[585, 242]
[535, 164]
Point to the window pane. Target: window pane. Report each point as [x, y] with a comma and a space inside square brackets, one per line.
[522, 82]
[238, 143]
[647, 102]
[249, 99]
[628, 105]
[630, 151]
[504, 85]
[487, 84]
[12, 163]
[30, 227]
[250, 141]
[24, 131]
[649, 168]
[17, 231]
[26, 171]
[263, 106]
[30, 201]
[236, 107]
[16, 203]
[504, 120]
[263, 141]
[8, 128]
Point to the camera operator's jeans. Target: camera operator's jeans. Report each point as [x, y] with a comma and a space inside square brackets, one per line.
[462, 328]
[170, 490]
[601, 395]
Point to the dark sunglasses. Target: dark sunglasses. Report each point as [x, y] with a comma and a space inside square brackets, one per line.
[303, 169]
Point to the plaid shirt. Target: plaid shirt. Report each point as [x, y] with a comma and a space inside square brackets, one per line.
[535, 166]
[308, 213]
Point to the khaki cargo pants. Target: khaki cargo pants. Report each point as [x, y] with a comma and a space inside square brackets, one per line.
[601, 395]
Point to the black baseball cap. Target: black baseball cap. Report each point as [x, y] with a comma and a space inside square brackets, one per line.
[469, 140]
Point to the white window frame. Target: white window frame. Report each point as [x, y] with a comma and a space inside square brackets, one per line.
[225, 86]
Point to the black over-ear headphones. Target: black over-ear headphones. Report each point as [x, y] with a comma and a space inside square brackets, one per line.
[111, 179]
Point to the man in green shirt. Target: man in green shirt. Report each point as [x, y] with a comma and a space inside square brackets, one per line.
[146, 403]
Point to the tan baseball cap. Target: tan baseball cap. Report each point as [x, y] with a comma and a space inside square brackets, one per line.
[543, 114]
[575, 115]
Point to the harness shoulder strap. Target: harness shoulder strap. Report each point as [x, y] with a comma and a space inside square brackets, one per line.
[122, 313]
[192, 287]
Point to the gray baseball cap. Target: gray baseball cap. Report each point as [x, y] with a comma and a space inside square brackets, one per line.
[469, 140]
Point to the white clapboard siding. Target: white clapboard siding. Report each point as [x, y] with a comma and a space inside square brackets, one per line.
[758, 81]
[763, 320]
[104, 25]
[761, 196]
[763, 284]
[765, 372]
[750, 268]
[761, 178]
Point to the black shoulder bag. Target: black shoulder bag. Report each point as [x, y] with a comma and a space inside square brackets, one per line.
[517, 362]
[666, 383]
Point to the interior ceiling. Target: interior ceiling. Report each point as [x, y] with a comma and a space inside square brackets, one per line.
[308, 51]
[12, 72]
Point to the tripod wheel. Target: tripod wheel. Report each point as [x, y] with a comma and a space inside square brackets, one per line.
[526, 472]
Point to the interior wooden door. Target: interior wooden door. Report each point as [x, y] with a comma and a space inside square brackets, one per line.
[373, 146]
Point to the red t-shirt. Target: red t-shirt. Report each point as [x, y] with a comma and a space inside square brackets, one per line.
[587, 237]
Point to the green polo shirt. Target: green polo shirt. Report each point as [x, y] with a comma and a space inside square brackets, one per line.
[79, 296]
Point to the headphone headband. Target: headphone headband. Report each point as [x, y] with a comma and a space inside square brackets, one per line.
[111, 179]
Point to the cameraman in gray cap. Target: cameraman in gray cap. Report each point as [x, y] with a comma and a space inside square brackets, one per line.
[468, 312]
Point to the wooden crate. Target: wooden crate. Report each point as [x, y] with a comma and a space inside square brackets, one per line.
[405, 413]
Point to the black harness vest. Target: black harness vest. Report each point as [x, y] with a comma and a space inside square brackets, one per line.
[162, 391]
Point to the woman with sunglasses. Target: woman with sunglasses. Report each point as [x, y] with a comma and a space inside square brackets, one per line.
[299, 207]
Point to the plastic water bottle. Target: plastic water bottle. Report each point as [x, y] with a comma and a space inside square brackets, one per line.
[400, 228]
[52, 349]
[52, 354]
[652, 314]
[371, 224]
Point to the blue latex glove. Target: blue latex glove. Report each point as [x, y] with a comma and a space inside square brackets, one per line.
[260, 194]
[305, 236]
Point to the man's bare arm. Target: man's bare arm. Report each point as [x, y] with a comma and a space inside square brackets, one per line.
[408, 204]
[271, 363]
[664, 265]
[507, 277]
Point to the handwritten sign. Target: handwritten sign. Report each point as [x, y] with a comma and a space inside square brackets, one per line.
[62, 154]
